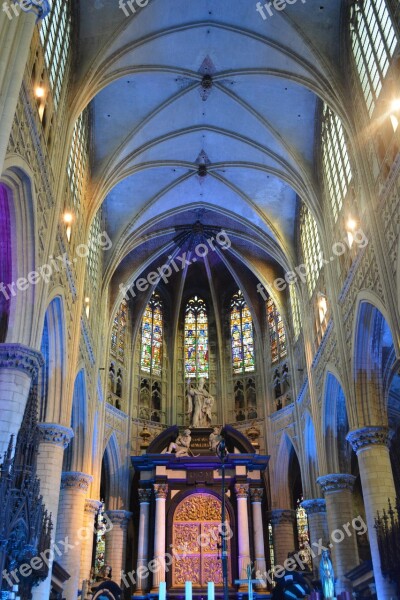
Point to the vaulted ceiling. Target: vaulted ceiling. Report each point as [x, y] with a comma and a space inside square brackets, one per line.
[203, 110]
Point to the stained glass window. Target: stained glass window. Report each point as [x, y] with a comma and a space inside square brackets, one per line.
[196, 338]
[374, 42]
[152, 337]
[294, 302]
[242, 335]
[78, 160]
[118, 333]
[303, 536]
[271, 549]
[311, 247]
[277, 335]
[99, 560]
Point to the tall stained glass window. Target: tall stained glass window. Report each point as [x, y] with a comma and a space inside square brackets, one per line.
[277, 335]
[118, 333]
[152, 337]
[311, 247]
[303, 536]
[242, 335]
[294, 302]
[196, 338]
[374, 41]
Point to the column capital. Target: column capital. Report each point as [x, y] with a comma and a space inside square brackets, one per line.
[256, 494]
[20, 357]
[242, 490]
[144, 495]
[282, 516]
[52, 433]
[335, 482]
[161, 490]
[92, 506]
[363, 438]
[314, 506]
[120, 518]
[74, 480]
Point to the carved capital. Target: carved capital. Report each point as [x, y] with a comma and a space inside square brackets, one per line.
[119, 518]
[282, 516]
[20, 357]
[92, 506]
[161, 490]
[314, 506]
[73, 480]
[369, 436]
[144, 495]
[256, 494]
[242, 490]
[52, 433]
[336, 482]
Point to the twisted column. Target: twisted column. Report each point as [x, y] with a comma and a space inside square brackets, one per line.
[19, 364]
[53, 440]
[161, 492]
[282, 521]
[116, 542]
[317, 527]
[90, 511]
[338, 493]
[70, 533]
[256, 495]
[242, 492]
[143, 538]
[371, 444]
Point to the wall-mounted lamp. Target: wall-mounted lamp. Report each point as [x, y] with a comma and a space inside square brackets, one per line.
[351, 226]
[395, 113]
[68, 218]
[322, 306]
[87, 306]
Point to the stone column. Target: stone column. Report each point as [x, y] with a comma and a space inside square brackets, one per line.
[338, 492]
[18, 366]
[74, 487]
[317, 528]
[242, 492]
[53, 439]
[116, 542]
[282, 521]
[256, 495]
[161, 491]
[90, 511]
[143, 538]
[371, 445]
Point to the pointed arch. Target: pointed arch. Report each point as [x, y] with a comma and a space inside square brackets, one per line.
[283, 481]
[111, 474]
[335, 425]
[311, 455]
[74, 456]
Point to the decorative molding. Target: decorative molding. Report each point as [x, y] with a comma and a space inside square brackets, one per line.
[88, 342]
[144, 495]
[282, 516]
[20, 357]
[52, 433]
[73, 480]
[92, 506]
[161, 490]
[120, 518]
[242, 490]
[314, 506]
[363, 438]
[256, 494]
[336, 482]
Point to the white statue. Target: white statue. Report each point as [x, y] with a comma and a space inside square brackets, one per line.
[181, 446]
[214, 439]
[200, 403]
[327, 576]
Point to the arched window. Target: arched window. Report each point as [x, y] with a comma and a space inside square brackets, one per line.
[118, 333]
[335, 159]
[311, 247]
[152, 337]
[196, 338]
[242, 335]
[303, 536]
[373, 41]
[277, 335]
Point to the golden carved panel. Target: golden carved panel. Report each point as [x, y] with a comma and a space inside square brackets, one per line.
[212, 569]
[187, 537]
[187, 568]
[210, 537]
[199, 507]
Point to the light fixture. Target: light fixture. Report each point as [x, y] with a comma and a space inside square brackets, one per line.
[351, 226]
[87, 306]
[322, 306]
[68, 218]
[395, 113]
[39, 91]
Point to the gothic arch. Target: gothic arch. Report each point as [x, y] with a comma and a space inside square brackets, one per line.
[112, 474]
[76, 453]
[311, 457]
[335, 425]
[282, 476]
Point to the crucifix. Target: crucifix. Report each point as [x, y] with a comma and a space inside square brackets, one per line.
[249, 581]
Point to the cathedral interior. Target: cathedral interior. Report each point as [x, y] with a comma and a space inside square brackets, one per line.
[199, 299]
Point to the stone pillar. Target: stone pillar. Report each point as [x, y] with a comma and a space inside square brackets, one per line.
[371, 445]
[256, 495]
[338, 492]
[143, 538]
[18, 366]
[74, 487]
[161, 491]
[90, 511]
[317, 528]
[53, 439]
[116, 542]
[242, 492]
[282, 521]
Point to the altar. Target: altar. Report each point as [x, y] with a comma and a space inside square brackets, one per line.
[180, 529]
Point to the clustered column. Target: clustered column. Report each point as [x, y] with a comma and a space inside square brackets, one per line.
[317, 527]
[91, 510]
[242, 492]
[161, 492]
[371, 445]
[256, 495]
[338, 492]
[18, 366]
[74, 487]
[116, 542]
[282, 521]
[143, 542]
[53, 440]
